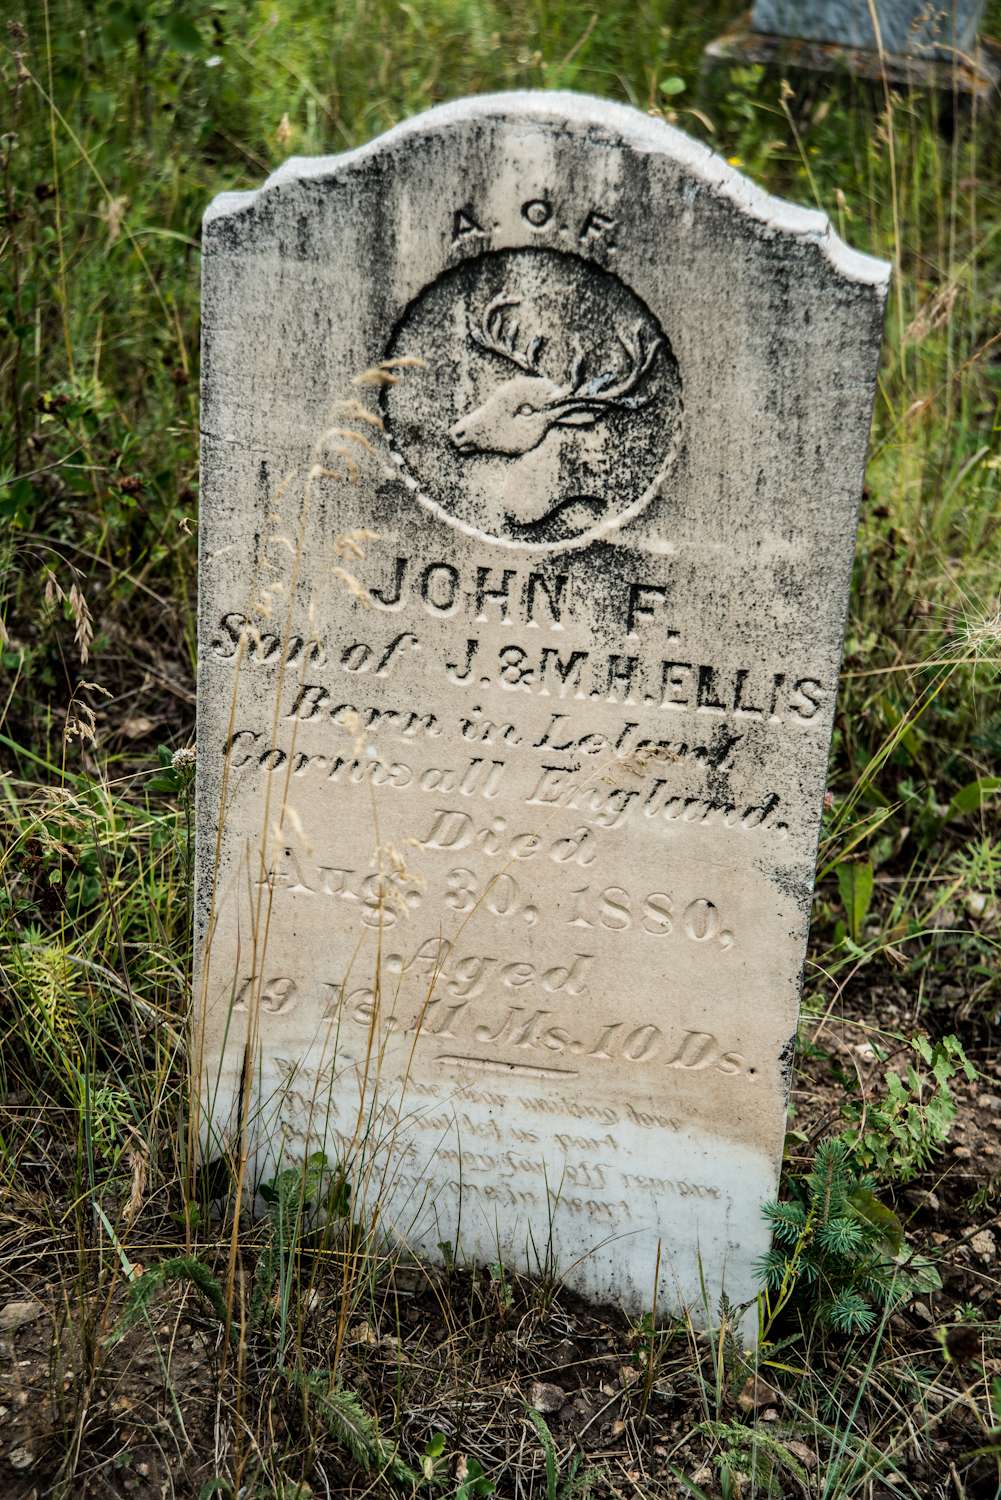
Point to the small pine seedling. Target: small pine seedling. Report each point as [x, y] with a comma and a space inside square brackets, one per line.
[836, 1247]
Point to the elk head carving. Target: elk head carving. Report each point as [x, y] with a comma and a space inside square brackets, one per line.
[518, 415]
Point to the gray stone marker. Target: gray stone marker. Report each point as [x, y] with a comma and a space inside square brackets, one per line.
[508, 814]
[917, 28]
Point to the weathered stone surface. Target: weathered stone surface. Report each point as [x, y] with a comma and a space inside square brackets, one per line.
[506, 827]
[906, 27]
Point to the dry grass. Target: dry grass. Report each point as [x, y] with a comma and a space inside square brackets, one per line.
[269, 1348]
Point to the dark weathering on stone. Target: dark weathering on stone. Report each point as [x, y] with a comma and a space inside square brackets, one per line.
[549, 405]
[552, 526]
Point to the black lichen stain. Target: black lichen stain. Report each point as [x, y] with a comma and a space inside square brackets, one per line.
[787, 1059]
[555, 525]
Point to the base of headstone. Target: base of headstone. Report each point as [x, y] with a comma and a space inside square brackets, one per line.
[742, 45]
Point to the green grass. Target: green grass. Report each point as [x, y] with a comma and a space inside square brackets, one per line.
[124, 118]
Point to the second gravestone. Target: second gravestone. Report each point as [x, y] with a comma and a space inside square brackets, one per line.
[926, 29]
[518, 663]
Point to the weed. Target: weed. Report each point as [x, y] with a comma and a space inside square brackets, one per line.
[578, 1481]
[895, 1136]
[300, 1196]
[837, 1249]
[350, 1425]
[749, 1455]
[144, 1288]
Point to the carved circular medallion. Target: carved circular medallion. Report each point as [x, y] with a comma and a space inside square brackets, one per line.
[549, 408]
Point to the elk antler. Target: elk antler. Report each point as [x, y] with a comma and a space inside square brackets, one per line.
[609, 389]
[492, 336]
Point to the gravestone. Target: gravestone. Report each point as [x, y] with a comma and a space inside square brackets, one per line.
[533, 441]
[918, 28]
[903, 43]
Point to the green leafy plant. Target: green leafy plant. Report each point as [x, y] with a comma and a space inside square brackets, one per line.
[349, 1424]
[441, 1470]
[502, 1289]
[433, 1457]
[438, 1468]
[750, 1455]
[176, 775]
[216, 1489]
[837, 1250]
[971, 798]
[473, 1484]
[298, 1197]
[855, 885]
[144, 1288]
[898, 1134]
[978, 863]
[578, 1482]
[992, 1448]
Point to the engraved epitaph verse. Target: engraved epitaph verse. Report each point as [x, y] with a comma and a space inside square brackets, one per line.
[516, 679]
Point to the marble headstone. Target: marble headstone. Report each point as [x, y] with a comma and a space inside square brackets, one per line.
[518, 662]
[907, 28]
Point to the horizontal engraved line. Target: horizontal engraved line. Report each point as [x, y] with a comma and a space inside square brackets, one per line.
[523, 1070]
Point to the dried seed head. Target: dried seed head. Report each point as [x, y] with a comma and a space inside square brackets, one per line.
[354, 587]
